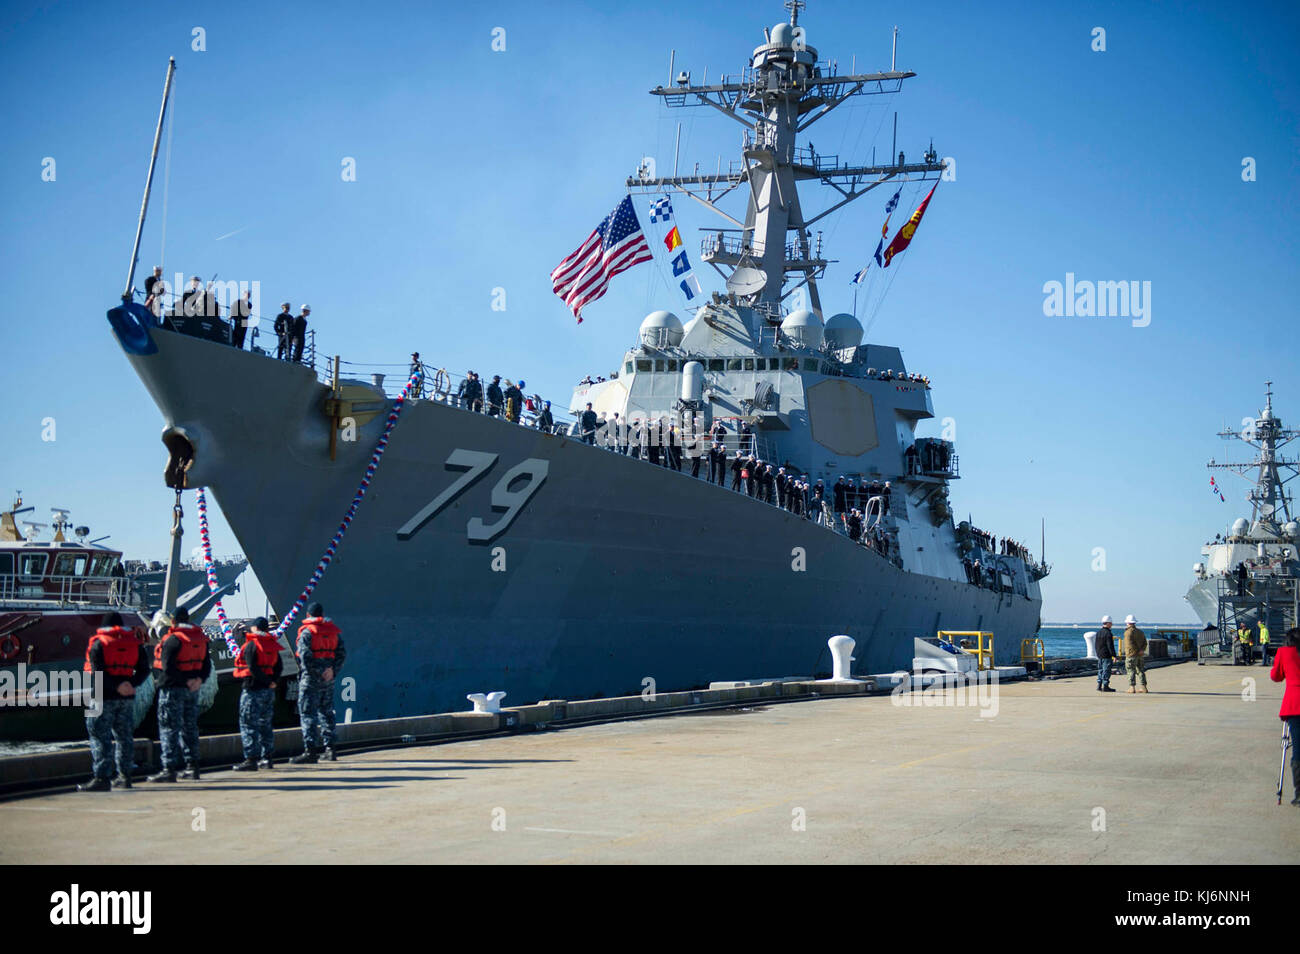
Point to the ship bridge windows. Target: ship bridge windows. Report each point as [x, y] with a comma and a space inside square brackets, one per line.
[102, 564]
[733, 364]
[644, 364]
[672, 364]
[627, 367]
[790, 364]
[6, 564]
[749, 364]
[70, 564]
[32, 565]
[716, 364]
[810, 364]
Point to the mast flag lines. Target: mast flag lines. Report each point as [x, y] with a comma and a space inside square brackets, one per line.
[1214, 489]
[904, 236]
[892, 204]
[661, 210]
[615, 246]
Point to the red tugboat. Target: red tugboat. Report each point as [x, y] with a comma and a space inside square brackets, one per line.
[52, 596]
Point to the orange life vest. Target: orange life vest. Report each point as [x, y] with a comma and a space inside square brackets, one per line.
[191, 652]
[121, 650]
[324, 636]
[265, 649]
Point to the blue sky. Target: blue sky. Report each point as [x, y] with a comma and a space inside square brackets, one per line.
[479, 170]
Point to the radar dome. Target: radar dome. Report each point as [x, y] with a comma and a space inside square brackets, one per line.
[803, 328]
[1240, 527]
[782, 35]
[1291, 529]
[661, 329]
[843, 331]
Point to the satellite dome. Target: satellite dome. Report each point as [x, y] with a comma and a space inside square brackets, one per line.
[782, 35]
[1240, 527]
[803, 328]
[843, 331]
[661, 329]
[1291, 529]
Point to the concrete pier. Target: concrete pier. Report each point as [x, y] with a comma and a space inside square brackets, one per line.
[1049, 771]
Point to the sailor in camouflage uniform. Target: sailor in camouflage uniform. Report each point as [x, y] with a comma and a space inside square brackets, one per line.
[259, 665]
[320, 656]
[121, 656]
[181, 664]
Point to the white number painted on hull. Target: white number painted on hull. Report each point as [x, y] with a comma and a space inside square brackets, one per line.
[476, 464]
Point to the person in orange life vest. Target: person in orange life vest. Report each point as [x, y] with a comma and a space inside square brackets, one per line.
[258, 664]
[180, 664]
[121, 656]
[320, 655]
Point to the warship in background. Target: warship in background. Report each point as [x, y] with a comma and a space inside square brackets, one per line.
[489, 555]
[1252, 574]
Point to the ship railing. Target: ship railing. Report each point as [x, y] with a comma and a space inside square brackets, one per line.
[65, 590]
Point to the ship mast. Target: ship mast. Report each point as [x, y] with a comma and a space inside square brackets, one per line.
[781, 93]
[1270, 503]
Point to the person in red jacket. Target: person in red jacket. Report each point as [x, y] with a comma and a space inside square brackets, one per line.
[121, 656]
[1286, 667]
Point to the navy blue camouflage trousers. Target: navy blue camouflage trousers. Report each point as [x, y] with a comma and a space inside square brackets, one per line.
[316, 713]
[178, 726]
[113, 727]
[256, 707]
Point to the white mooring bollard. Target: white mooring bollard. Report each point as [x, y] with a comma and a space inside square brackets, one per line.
[1090, 641]
[841, 657]
[486, 701]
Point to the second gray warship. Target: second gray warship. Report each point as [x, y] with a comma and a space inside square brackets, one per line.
[492, 555]
[1251, 573]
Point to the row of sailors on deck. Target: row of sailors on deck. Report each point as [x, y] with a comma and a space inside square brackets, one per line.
[891, 375]
[1007, 547]
[200, 302]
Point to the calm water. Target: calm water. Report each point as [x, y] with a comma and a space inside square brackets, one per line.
[1066, 641]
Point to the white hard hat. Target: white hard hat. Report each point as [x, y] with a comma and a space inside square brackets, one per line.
[306, 307]
[1129, 620]
[1106, 618]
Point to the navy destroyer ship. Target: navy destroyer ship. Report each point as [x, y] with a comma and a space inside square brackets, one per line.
[490, 554]
[1251, 573]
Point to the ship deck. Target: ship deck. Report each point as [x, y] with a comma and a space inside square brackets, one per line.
[1183, 775]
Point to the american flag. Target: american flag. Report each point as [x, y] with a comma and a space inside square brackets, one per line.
[615, 246]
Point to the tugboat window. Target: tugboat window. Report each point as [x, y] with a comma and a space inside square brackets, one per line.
[70, 564]
[31, 564]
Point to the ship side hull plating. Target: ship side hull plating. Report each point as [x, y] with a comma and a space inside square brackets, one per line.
[612, 572]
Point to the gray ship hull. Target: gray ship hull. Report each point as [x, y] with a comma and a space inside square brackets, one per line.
[1203, 597]
[613, 572]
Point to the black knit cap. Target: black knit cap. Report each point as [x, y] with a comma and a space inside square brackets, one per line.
[111, 619]
[315, 610]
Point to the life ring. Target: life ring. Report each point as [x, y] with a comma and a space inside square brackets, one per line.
[10, 647]
[441, 384]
